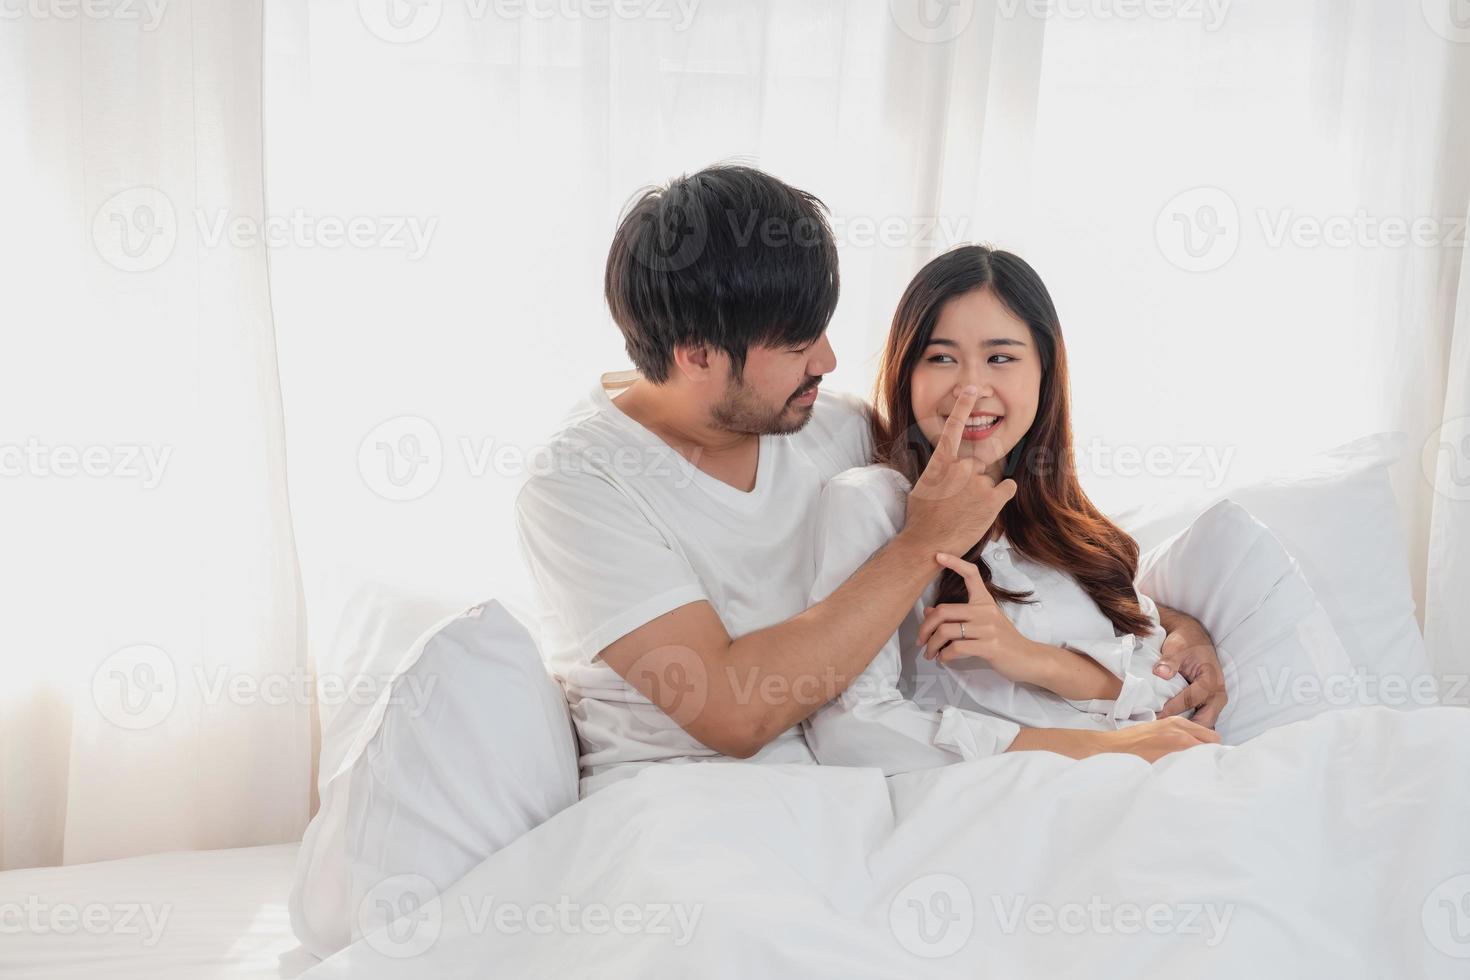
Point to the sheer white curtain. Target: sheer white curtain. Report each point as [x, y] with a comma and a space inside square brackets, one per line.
[1165, 167]
[487, 150]
[152, 653]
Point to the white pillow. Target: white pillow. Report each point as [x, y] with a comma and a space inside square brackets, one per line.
[469, 747]
[1336, 516]
[1281, 658]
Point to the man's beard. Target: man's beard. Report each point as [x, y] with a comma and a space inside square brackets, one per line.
[742, 410]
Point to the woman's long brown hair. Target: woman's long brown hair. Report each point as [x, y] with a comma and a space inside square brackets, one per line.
[1050, 521]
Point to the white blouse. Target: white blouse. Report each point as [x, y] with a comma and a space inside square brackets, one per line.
[905, 712]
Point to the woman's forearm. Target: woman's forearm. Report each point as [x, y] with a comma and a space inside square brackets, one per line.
[1073, 676]
[1072, 742]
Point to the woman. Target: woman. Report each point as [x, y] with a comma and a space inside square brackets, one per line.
[1037, 639]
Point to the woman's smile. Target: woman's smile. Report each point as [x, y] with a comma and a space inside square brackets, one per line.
[979, 427]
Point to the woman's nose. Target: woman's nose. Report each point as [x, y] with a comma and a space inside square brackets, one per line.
[982, 390]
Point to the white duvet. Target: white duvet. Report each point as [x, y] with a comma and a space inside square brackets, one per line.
[1338, 846]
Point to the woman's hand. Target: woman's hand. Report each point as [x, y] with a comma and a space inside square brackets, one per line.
[977, 629]
[1150, 741]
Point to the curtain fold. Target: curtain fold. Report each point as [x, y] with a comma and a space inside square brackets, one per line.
[154, 694]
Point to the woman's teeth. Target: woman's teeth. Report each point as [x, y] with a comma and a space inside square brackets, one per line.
[982, 421]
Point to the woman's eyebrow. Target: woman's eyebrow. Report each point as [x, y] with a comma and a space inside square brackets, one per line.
[993, 342]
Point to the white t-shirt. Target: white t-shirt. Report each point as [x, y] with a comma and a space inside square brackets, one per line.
[905, 712]
[624, 529]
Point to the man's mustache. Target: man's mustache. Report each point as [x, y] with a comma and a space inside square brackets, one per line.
[811, 382]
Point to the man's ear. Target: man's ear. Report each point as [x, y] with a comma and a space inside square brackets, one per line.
[697, 362]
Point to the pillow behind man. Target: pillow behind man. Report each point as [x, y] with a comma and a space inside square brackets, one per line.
[467, 748]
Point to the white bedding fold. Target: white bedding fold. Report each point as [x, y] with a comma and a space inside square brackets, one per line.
[1330, 847]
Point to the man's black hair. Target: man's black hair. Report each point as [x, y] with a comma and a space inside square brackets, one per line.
[727, 257]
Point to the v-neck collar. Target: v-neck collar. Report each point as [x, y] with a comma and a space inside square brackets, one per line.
[733, 497]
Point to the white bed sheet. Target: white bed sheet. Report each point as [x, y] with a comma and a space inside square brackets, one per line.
[213, 914]
[1331, 847]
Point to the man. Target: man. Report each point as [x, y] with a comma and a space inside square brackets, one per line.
[672, 545]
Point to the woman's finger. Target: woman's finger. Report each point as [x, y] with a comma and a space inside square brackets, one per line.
[942, 634]
[958, 650]
[949, 612]
[970, 572]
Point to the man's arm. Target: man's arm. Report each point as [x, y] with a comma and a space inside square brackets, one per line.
[1189, 651]
[736, 695]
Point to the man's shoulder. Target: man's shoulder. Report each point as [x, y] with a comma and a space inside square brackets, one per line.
[878, 487]
[582, 452]
[877, 479]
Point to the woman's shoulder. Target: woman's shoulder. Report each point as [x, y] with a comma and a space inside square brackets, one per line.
[876, 487]
[875, 478]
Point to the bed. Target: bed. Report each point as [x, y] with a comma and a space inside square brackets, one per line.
[1332, 844]
[187, 915]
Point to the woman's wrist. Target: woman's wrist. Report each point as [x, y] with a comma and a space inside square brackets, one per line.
[1074, 743]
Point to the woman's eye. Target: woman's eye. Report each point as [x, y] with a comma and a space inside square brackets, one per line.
[941, 359]
[1001, 359]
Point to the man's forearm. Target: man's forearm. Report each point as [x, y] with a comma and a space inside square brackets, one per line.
[795, 667]
[1172, 620]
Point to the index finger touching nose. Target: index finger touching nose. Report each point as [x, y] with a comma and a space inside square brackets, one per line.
[954, 426]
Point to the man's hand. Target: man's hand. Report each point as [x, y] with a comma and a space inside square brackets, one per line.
[953, 503]
[1189, 652]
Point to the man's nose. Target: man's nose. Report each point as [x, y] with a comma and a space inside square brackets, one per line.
[824, 359]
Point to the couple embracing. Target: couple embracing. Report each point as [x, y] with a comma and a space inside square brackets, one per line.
[745, 566]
